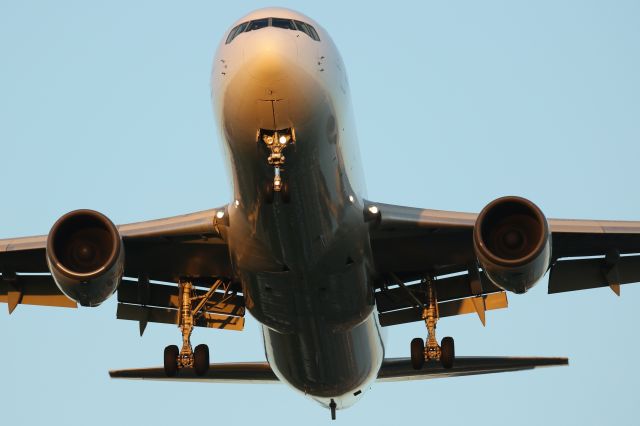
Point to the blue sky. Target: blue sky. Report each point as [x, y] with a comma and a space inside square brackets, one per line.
[456, 103]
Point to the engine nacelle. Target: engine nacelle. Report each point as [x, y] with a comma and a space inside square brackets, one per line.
[512, 241]
[85, 256]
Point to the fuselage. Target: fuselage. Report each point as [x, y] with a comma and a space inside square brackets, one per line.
[305, 265]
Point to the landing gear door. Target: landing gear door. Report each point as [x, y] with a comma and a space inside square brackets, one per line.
[282, 114]
[274, 114]
[264, 112]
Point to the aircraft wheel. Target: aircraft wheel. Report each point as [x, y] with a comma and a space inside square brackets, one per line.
[201, 360]
[284, 191]
[447, 354]
[171, 353]
[417, 353]
[268, 193]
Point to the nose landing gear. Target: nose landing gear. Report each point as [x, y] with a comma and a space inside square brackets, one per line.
[276, 142]
[421, 352]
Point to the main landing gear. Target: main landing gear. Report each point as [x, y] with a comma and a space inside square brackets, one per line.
[421, 352]
[198, 359]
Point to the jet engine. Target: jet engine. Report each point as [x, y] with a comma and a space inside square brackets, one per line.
[512, 241]
[85, 256]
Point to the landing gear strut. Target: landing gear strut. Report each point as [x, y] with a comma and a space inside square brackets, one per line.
[445, 352]
[191, 306]
[276, 142]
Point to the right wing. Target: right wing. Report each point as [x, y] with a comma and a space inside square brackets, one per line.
[164, 250]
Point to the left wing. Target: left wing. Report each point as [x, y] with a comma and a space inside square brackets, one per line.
[409, 243]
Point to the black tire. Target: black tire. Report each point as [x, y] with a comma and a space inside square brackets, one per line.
[448, 353]
[201, 360]
[268, 193]
[284, 191]
[417, 353]
[171, 353]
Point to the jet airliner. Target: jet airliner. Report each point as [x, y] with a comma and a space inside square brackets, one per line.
[324, 269]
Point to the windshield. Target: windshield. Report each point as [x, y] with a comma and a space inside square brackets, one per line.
[287, 24]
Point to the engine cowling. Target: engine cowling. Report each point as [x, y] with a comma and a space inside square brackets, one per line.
[85, 255]
[512, 241]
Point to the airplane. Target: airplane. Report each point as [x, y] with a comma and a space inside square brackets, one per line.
[323, 269]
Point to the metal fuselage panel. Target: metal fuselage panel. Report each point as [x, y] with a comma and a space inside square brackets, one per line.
[305, 265]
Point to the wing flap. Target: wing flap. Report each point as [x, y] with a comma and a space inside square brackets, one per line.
[144, 314]
[445, 309]
[399, 369]
[467, 306]
[32, 290]
[582, 274]
[449, 288]
[166, 296]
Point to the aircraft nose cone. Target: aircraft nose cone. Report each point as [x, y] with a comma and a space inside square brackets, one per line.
[270, 57]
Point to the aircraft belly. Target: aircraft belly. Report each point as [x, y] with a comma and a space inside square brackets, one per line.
[325, 364]
[305, 265]
[295, 254]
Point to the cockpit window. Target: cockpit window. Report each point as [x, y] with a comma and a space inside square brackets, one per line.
[283, 23]
[235, 31]
[314, 35]
[287, 24]
[308, 30]
[258, 24]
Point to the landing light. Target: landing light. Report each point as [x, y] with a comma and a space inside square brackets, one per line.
[373, 210]
[220, 214]
[283, 140]
[237, 203]
[351, 198]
